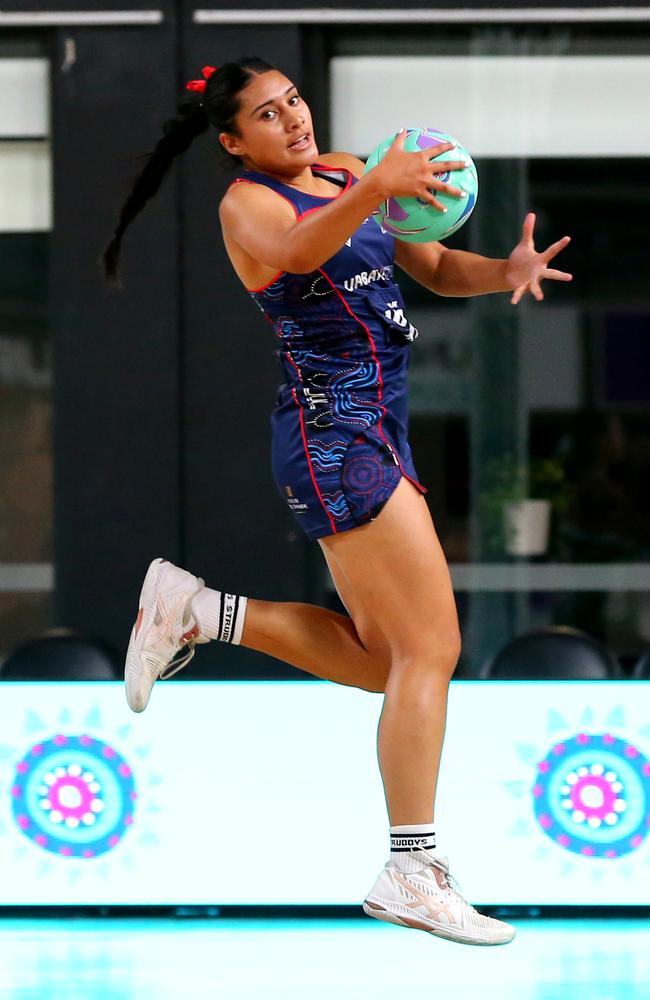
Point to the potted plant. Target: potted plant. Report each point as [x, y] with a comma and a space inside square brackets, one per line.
[517, 502]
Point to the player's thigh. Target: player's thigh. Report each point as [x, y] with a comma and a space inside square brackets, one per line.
[397, 572]
[366, 625]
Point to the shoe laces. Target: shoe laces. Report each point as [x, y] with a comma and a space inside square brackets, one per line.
[179, 661]
[438, 863]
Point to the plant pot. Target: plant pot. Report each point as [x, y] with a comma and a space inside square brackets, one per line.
[527, 527]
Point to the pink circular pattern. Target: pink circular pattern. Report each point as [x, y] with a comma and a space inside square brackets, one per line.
[73, 796]
[61, 787]
[603, 786]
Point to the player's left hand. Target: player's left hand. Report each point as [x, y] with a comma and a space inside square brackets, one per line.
[526, 268]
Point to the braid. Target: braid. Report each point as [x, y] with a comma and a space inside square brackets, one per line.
[218, 108]
[192, 120]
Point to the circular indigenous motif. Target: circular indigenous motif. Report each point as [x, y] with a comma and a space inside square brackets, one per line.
[592, 796]
[73, 796]
[363, 473]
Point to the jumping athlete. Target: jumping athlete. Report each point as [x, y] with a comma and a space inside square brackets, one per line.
[298, 230]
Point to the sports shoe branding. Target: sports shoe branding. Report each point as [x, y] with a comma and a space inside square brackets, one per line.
[434, 906]
[367, 277]
[397, 841]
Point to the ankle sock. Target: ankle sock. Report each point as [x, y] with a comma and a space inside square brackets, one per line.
[404, 841]
[220, 616]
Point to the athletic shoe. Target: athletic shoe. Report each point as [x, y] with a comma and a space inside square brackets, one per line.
[426, 899]
[164, 625]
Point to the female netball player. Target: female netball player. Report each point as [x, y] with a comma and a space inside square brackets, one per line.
[297, 229]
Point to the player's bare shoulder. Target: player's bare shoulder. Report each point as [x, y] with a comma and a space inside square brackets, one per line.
[245, 200]
[347, 160]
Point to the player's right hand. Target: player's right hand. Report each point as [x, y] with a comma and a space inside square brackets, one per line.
[414, 174]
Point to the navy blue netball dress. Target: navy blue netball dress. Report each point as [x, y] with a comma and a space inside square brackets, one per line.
[340, 422]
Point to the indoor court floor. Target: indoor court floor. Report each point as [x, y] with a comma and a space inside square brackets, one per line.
[243, 959]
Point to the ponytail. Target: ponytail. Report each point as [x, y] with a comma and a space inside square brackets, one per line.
[192, 120]
[218, 107]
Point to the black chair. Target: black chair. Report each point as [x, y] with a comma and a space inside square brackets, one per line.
[555, 653]
[641, 670]
[62, 655]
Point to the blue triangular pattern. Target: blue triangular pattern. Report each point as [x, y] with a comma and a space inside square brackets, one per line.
[542, 853]
[143, 752]
[94, 718]
[75, 875]
[521, 828]
[7, 753]
[567, 869]
[153, 808]
[65, 717]
[45, 868]
[556, 721]
[598, 874]
[124, 731]
[587, 717]
[33, 722]
[148, 839]
[528, 753]
[104, 871]
[155, 779]
[616, 717]
[518, 789]
[645, 731]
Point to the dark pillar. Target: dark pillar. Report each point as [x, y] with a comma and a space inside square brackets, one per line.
[115, 353]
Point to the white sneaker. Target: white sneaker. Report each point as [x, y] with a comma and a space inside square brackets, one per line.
[425, 899]
[164, 625]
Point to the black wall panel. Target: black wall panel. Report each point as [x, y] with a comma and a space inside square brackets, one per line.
[116, 374]
[238, 534]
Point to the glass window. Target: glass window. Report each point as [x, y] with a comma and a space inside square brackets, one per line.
[25, 349]
[546, 401]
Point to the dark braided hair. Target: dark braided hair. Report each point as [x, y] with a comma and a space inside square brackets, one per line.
[218, 105]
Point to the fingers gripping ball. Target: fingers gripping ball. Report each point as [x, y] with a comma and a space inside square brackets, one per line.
[414, 219]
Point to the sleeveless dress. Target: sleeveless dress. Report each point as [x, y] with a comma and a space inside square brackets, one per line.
[340, 421]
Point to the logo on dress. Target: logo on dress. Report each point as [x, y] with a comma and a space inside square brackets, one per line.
[294, 503]
[395, 314]
[367, 277]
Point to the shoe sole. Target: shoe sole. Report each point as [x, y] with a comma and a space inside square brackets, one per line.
[146, 603]
[418, 922]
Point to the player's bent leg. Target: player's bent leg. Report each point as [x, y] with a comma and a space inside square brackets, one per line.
[176, 611]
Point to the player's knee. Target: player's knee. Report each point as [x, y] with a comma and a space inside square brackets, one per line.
[430, 654]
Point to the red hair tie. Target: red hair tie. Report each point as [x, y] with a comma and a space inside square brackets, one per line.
[200, 84]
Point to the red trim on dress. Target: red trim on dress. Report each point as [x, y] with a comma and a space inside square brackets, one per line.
[263, 288]
[324, 166]
[309, 462]
[245, 180]
[423, 489]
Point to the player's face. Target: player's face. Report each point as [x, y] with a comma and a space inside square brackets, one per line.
[274, 127]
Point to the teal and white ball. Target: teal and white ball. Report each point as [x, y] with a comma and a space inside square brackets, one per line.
[414, 219]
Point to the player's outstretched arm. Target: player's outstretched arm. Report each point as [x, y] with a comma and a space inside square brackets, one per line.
[459, 273]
